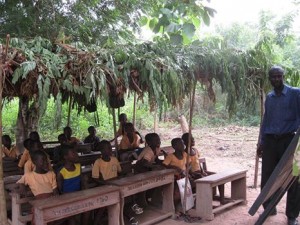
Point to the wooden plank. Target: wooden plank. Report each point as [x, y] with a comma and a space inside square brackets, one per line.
[70, 204]
[227, 205]
[144, 181]
[222, 177]
[279, 179]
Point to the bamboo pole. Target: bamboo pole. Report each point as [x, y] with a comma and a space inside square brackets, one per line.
[115, 131]
[134, 109]
[155, 120]
[3, 214]
[69, 111]
[262, 110]
[192, 100]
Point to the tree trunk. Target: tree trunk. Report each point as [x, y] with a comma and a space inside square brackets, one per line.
[28, 119]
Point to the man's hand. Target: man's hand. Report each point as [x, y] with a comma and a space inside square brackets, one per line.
[259, 150]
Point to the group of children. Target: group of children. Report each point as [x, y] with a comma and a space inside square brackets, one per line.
[66, 177]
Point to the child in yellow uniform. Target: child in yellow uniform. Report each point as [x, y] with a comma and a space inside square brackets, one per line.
[177, 161]
[8, 149]
[105, 168]
[41, 181]
[70, 139]
[25, 156]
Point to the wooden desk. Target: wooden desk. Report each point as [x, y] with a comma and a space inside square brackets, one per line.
[145, 181]
[55, 208]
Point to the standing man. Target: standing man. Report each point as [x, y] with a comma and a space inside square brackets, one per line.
[280, 122]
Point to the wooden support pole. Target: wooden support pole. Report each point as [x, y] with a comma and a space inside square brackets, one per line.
[3, 213]
[192, 99]
[134, 109]
[262, 110]
[115, 131]
[155, 120]
[69, 111]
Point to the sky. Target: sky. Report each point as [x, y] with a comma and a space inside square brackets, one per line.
[229, 11]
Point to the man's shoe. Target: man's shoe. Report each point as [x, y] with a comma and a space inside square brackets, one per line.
[292, 221]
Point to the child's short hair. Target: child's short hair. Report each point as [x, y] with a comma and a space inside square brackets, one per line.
[128, 127]
[34, 135]
[185, 137]
[102, 144]
[65, 150]
[34, 155]
[150, 137]
[62, 137]
[91, 128]
[122, 117]
[175, 141]
[6, 138]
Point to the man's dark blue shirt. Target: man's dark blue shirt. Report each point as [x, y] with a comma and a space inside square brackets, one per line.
[282, 112]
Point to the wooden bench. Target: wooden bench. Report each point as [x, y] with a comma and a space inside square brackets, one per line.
[145, 181]
[63, 206]
[205, 186]
[10, 168]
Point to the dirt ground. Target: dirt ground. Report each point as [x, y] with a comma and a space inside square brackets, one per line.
[225, 148]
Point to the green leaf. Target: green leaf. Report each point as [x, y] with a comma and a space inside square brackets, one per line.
[166, 11]
[23, 70]
[143, 21]
[189, 30]
[153, 23]
[176, 39]
[172, 28]
[205, 18]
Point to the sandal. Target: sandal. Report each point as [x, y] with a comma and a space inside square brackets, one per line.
[137, 209]
[133, 221]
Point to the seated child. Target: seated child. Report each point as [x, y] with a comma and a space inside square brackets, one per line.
[107, 167]
[69, 175]
[25, 156]
[92, 138]
[177, 161]
[70, 139]
[34, 135]
[69, 179]
[148, 156]
[41, 181]
[129, 142]
[9, 150]
[34, 146]
[196, 171]
[57, 151]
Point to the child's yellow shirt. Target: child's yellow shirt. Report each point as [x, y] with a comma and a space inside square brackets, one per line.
[108, 170]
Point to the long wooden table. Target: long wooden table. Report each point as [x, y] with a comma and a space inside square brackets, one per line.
[145, 181]
[55, 208]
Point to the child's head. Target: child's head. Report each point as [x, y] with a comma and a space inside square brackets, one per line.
[62, 139]
[178, 144]
[185, 137]
[153, 140]
[129, 128]
[34, 146]
[34, 135]
[6, 140]
[40, 160]
[105, 147]
[69, 154]
[68, 131]
[92, 130]
[122, 118]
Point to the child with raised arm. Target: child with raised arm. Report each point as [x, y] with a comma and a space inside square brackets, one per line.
[9, 150]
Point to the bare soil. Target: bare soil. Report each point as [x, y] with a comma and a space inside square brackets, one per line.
[225, 148]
